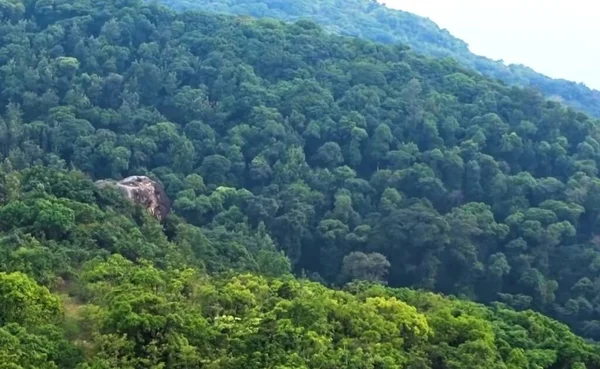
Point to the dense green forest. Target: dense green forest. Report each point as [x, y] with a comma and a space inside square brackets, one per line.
[284, 149]
[111, 307]
[372, 20]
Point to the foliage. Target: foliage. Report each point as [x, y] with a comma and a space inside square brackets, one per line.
[59, 219]
[284, 148]
[273, 136]
[373, 20]
[138, 316]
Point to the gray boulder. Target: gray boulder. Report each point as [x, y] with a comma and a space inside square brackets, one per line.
[143, 191]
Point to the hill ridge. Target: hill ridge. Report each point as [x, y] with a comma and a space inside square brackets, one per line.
[375, 21]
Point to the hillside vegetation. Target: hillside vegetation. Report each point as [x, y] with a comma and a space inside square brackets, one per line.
[372, 20]
[113, 308]
[359, 161]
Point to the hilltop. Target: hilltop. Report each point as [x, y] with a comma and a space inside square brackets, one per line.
[374, 21]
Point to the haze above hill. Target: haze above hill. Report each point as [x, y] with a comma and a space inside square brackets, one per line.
[554, 38]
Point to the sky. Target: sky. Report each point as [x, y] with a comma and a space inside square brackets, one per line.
[558, 38]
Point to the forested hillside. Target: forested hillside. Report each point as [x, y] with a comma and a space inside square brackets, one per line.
[111, 307]
[359, 161]
[372, 20]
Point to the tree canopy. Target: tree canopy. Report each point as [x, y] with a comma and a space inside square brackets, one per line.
[286, 150]
[373, 20]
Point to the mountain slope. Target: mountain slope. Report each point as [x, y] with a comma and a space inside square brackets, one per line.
[360, 161]
[78, 291]
[371, 20]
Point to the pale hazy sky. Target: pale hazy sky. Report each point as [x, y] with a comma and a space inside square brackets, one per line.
[559, 38]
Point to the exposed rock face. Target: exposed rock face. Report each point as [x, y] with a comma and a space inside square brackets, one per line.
[144, 191]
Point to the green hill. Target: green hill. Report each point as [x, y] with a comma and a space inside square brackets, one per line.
[110, 307]
[374, 21]
[359, 161]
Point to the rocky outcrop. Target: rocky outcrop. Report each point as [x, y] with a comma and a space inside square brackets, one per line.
[143, 191]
